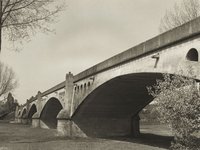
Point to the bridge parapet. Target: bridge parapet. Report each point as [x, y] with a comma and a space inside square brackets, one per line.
[168, 38]
[54, 89]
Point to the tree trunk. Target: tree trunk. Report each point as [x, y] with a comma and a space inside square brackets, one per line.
[0, 37]
[1, 1]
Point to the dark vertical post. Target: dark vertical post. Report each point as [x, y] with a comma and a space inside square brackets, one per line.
[1, 15]
[135, 125]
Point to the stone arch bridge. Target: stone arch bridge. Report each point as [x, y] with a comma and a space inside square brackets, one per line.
[105, 99]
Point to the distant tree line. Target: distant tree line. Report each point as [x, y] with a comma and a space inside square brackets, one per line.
[8, 106]
[149, 115]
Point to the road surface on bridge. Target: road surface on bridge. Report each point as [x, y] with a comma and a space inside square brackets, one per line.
[23, 137]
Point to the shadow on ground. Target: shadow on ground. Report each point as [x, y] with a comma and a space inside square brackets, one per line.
[23, 137]
[147, 139]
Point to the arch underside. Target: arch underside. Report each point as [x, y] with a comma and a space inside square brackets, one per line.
[19, 112]
[32, 111]
[109, 109]
[50, 112]
[23, 113]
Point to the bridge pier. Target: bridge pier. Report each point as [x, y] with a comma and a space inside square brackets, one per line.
[69, 128]
[24, 120]
[36, 120]
[66, 126]
[29, 121]
[18, 120]
[135, 126]
[108, 126]
[35, 123]
[94, 128]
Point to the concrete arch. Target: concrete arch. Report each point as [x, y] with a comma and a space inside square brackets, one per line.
[182, 68]
[49, 113]
[31, 112]
[110, 109]
[24, 113]
[19, 113]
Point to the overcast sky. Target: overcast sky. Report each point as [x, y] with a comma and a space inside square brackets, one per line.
[89, 31]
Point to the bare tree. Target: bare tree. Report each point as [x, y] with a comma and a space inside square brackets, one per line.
[181, 13]
[20, 19]
[8, 81]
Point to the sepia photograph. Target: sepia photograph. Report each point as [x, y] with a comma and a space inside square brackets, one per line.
[99, 74]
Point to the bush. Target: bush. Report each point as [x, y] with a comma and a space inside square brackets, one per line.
[178, 102]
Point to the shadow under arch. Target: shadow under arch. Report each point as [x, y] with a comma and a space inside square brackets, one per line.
[31, 112]
[192, 55]
[108, 110]
[19, 113]
[24, 113]
[50, 112]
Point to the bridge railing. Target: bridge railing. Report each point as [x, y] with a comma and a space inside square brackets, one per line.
[168, 38]
[54, 89]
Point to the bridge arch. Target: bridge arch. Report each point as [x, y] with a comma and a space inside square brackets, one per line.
[50, 112]
[192, 55]
[111, 108]
[88, 84]
[32, 111]
[19, 113]
[24, 113]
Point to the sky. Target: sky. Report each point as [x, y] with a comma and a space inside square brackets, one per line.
[88, 32]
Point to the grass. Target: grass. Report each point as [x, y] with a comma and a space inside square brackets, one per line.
[23, 137]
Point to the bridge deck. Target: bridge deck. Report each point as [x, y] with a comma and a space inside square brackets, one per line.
[181, 33]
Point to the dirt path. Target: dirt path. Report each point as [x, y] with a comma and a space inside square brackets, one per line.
[23, 137]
